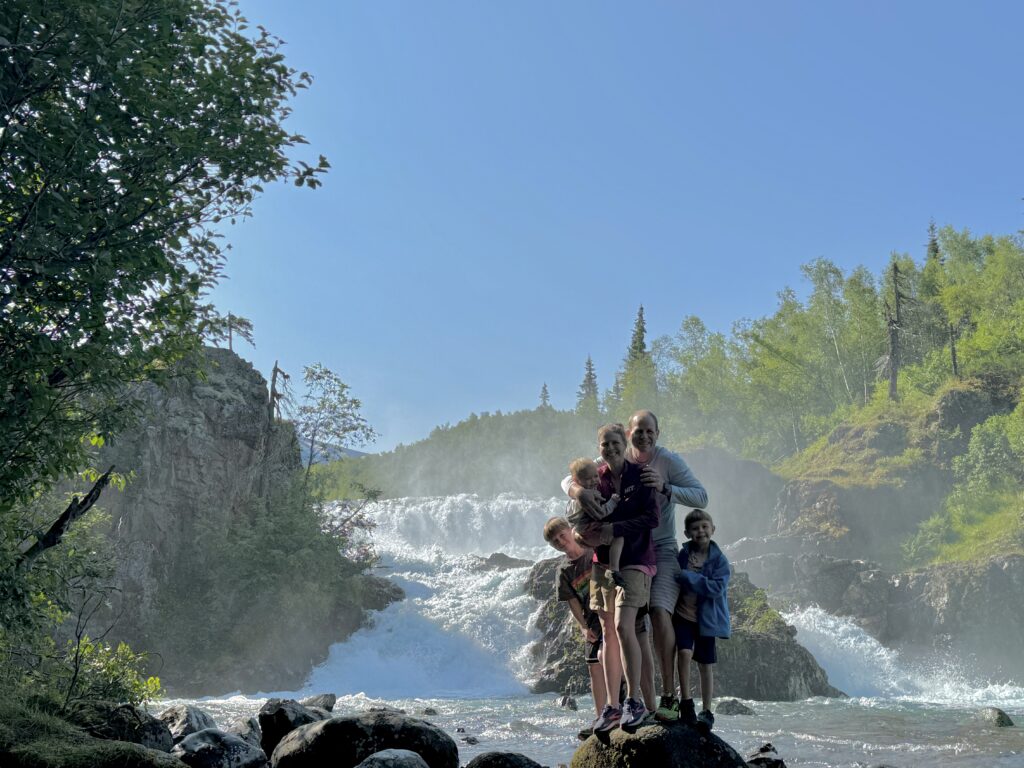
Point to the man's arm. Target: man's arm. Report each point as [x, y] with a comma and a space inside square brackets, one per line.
[682, 485]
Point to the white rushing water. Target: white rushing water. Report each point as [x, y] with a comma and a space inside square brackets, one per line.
[460, 644]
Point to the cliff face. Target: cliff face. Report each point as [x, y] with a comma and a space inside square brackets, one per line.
[209, 472]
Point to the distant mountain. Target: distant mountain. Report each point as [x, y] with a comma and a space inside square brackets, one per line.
[328, 453]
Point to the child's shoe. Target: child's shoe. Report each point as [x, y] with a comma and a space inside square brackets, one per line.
[619, 579]
[633, 714]
[609, 719]
[668, 709]
[705, 720]
[686, 712]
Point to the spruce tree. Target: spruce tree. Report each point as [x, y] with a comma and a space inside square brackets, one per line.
[587, 395]
[636, 383]
[545, 399]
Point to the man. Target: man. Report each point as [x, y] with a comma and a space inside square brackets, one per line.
[668, 475]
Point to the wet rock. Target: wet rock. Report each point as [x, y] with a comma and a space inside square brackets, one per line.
[325, 701]
[385, 708]
[568, 702]
[500, 562]
[471, 740]
[350, 740]
[248, 730]
[502, 760]
[766, 757]
[429, 712]
[279, 717]
[675, 746]
[394, 758]
[733, 707]
[994, 716]
[184, 719]
[211, 748]
[121, 722]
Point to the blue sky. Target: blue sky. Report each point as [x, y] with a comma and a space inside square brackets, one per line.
[511, 180]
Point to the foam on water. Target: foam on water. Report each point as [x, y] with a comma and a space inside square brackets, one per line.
[859, 665]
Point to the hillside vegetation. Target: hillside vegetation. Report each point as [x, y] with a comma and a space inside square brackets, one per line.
[868, 380]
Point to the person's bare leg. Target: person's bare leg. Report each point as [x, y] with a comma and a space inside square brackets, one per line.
[647, 671]
[614, 553]
[612, 660]
[629, 648]
[684, 657]
[665, 647]
[597, 684]
[707, 684]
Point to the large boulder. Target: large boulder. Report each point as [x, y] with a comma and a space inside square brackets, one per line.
[279, 717]
[248, 730]
[994, 716]
[657, 746]
[346, 741]
[184, 719]
[121, 722]
[211, 748]
[502, 760]
[324, 701]
[94, 753]
[733, 707]
[394, 758]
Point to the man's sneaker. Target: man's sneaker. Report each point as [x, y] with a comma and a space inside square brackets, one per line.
[609, 719]
[633, 713]
[705, 720]
[668, 709]
[686, 712]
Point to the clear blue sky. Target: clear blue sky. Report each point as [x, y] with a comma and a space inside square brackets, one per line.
[511, 180]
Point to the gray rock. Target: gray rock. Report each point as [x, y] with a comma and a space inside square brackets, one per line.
[568, 702]
[350, 740]
[394, 758]
[248, 730]
[429, 712]
[657, 746]
[500, 562]
[733, 707]
[279, 717]
[211, 748]
[994, 716]
[766, 757]
[183, 719]
[325, 701]
[121, 722]
[502, 760]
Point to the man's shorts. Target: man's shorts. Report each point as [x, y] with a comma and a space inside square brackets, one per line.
[605, 595]
[591, 650]
[664, 587]
[688, 638]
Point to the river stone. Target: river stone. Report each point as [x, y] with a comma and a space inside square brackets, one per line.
[121, 722]
[211, 748]
[766, 757]
[733, 707]
[324, 701]
[248, 730]
[394, 758]
[348, 740]
[279, 717]
[502, 760]
[675, 746]
[183, 719]
[995, 716]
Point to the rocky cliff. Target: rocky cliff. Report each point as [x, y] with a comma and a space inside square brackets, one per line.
[212, 482]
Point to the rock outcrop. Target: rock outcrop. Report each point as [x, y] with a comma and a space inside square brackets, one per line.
[675, 746]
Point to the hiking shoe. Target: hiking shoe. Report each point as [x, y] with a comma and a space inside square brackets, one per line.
[619, 579]
[686, 712]
[633, 713]
[668, 709]
[609, 719]
[705, 720]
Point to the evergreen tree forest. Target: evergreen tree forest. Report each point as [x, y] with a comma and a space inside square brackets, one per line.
[844, 348]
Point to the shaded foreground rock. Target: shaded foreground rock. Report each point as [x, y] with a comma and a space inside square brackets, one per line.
[184, 719]
[349, 740]
[211, 748]
[502, 760]
[394, 758]
[121, 722]
[248, 730]
[279, 717]
[676, 746]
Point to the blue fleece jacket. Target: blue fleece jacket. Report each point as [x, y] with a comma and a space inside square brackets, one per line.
[711, 586]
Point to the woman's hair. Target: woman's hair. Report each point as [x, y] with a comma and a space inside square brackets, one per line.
[612, 428]
[578, 465]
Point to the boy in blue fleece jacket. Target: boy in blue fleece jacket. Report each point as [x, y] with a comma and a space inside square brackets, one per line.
[701, 614]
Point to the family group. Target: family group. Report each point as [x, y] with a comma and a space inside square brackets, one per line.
[625, 577]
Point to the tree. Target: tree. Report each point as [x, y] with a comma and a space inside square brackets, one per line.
[545, 398]
[638, 381]
[328, 417]
[587, 396]
[224, 328]
[128, 132]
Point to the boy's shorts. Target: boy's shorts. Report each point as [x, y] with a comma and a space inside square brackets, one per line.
[591, 650]
[688, 638]
[606, 596]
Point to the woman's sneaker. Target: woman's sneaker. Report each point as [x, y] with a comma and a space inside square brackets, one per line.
[668, 709]
[633, 714]
[705, 720]
[686, 712]
[608, 720]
